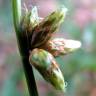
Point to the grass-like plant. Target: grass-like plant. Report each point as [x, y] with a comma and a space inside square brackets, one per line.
[37, 48]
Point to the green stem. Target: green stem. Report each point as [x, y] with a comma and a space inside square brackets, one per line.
[23, 47]
[16, 6]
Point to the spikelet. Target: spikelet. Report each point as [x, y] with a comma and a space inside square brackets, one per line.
[44, 30]
[60, 46]
[30, 19]
[28, 22]
[45, 63]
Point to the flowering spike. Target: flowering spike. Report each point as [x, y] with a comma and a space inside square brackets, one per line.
[45, 63]
[30, 19]
[60, 46]
[43, 31]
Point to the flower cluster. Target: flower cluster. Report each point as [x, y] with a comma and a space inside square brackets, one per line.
[38, 32]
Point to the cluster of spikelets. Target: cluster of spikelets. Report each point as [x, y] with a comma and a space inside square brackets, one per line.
[43, 49]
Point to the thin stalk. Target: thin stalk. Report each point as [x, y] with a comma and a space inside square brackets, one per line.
[23, 48]
[16, 8]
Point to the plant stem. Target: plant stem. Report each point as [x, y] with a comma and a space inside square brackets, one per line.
[23, 48]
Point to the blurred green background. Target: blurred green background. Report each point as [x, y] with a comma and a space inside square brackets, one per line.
[79, 68]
